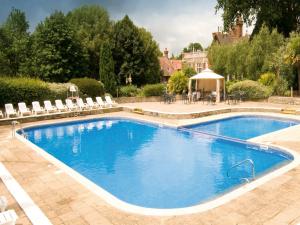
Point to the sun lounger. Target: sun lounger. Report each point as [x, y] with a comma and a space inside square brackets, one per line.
[70, 105]
[1, 114]
[9, 110]
[8, 217]
[60, 106]
[23, 110]
[100, 102]
[36, 108]
[81, 105]
[3, 203]
[91, 103]
[49, 107]
[110, 102]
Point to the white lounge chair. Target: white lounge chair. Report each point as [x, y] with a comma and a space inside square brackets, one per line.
[23, 110]
[8, 217]
[91, 103]
[3, 203]
[9, 110]
[49, 107]
[36, 108]
[1, 114]
[80, 104]
[70, 105]
[60, 106]
[110, 102]
[100, 102]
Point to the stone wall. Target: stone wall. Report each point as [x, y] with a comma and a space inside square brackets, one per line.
[141, 99]
[284, 100]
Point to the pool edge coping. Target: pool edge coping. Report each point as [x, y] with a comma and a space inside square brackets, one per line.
[130, 208]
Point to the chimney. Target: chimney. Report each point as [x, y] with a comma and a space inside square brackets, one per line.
[166, 53]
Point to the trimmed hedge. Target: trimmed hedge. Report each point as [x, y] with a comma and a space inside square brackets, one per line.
[129, 91]
[153, 90]
[88, 87]
[14, 90]
[252, 89]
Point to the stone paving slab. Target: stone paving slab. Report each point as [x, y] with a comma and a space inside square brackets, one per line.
[65, 201]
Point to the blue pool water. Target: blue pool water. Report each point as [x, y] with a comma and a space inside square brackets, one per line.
[152, 166]
[243, 127]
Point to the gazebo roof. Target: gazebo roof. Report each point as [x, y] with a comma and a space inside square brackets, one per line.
[207, 74]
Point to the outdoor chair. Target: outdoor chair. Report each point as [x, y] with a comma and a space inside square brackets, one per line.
[70, 105]
[100, 102]
[185, 98]
[8, 217]
[1, 114]
[23, 110]
[91, 103]
[49, 107]
[60, 106]
[80, 104]
[9, 110]
[109, 101]
[3, 203]
[36, 108]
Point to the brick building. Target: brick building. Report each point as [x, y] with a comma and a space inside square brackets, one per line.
[196, 59]
[168, 66]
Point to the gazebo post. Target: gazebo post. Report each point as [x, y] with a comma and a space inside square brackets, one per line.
[196, 85]
[190, 86]
[224, 97]
[218, 90]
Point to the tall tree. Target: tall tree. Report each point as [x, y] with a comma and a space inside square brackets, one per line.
[193, 47]
[58, 53]
[92, 26]
[284, 15]
[106, 68]
[131, 55]
[15, 43]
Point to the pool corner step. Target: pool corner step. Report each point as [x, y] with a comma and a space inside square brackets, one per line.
[288, 111]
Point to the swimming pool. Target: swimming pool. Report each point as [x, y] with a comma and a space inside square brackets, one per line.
[152, 166]
[243, 127]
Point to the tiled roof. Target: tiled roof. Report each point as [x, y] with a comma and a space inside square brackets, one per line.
[169, 66]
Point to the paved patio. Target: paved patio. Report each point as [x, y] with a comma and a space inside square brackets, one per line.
[65, 201]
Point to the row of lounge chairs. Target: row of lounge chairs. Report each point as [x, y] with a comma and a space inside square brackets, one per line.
[59, 106]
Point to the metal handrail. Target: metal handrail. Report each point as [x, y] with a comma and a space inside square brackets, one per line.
[13, 129]
[240, 163]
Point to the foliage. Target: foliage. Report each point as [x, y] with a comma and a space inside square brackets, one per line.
[128, 91]
[88, 86]
[267, 79]
[189, 71]
[178, 82]
[14, 44]
[283, 15]
[58, 54]
[280, 86]
[24, 90]
[251, 89]
[153, 89]
[193, 47]
[59, 90]
[106, 69]
[92, 26]
[134, 53]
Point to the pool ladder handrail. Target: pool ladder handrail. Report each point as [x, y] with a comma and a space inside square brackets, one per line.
[243, 162]
[14, 124]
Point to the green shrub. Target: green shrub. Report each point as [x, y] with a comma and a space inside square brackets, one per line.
[252, 89]
[59, 90]
[267, 79]
[88, 86]
[128, 91]
[280, 86]
[14, 90]
[178, 82]
[153, 90]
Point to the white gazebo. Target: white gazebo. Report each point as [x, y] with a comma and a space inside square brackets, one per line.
[208, 81]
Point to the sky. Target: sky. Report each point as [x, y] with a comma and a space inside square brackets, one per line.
[173, 23]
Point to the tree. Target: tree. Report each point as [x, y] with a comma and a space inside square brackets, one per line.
[282, 15]
[293, 53]
[134, 53]
[93, 26]
[58, 54]
[14, 43]
[106, 68]
[189, 71]
[193, 47]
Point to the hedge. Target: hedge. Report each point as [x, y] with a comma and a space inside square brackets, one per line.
[88, 87]
[14, 90]
[153, 90]
[129, 91]
[251, 89]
